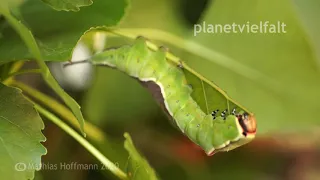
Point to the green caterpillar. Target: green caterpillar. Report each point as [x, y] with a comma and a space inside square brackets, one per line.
[211, 132]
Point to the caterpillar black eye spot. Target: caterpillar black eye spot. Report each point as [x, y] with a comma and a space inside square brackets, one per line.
[223, 114]
[214, 113]
[233, 111]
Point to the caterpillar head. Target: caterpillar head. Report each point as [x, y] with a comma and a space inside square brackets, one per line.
[246, 129]
[248, 124]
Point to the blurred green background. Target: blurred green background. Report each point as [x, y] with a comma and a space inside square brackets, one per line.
[276, 76]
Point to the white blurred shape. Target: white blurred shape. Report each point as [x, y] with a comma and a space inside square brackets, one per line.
[75, 76]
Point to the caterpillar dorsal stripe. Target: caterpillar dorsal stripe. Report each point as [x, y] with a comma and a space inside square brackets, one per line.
[212, 131]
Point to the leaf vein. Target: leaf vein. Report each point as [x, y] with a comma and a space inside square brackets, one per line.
[5, 147]
[205, 96]
[19, 127]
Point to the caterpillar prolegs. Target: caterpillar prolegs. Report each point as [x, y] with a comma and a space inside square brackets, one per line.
[213, 132]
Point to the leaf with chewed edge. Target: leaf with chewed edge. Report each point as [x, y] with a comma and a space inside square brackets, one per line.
[138, 167]
[209, 96]
[20, 136]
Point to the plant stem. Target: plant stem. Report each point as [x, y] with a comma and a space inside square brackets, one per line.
[106, 162]
[15, 67]
[92, 131]
[9, 76]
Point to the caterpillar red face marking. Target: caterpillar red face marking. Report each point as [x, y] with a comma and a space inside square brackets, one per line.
[248, 123]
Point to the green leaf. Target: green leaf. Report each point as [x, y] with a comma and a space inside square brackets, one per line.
[69, 5]
[209, 96]
[138, 167]
[20, 136]
[57, 32]
[5, 70]
[307, 13]
[31, 43]
[255, 60]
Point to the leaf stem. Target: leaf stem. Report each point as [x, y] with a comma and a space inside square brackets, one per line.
[95, 152]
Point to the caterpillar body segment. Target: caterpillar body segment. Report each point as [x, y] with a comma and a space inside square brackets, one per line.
[213, 133]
